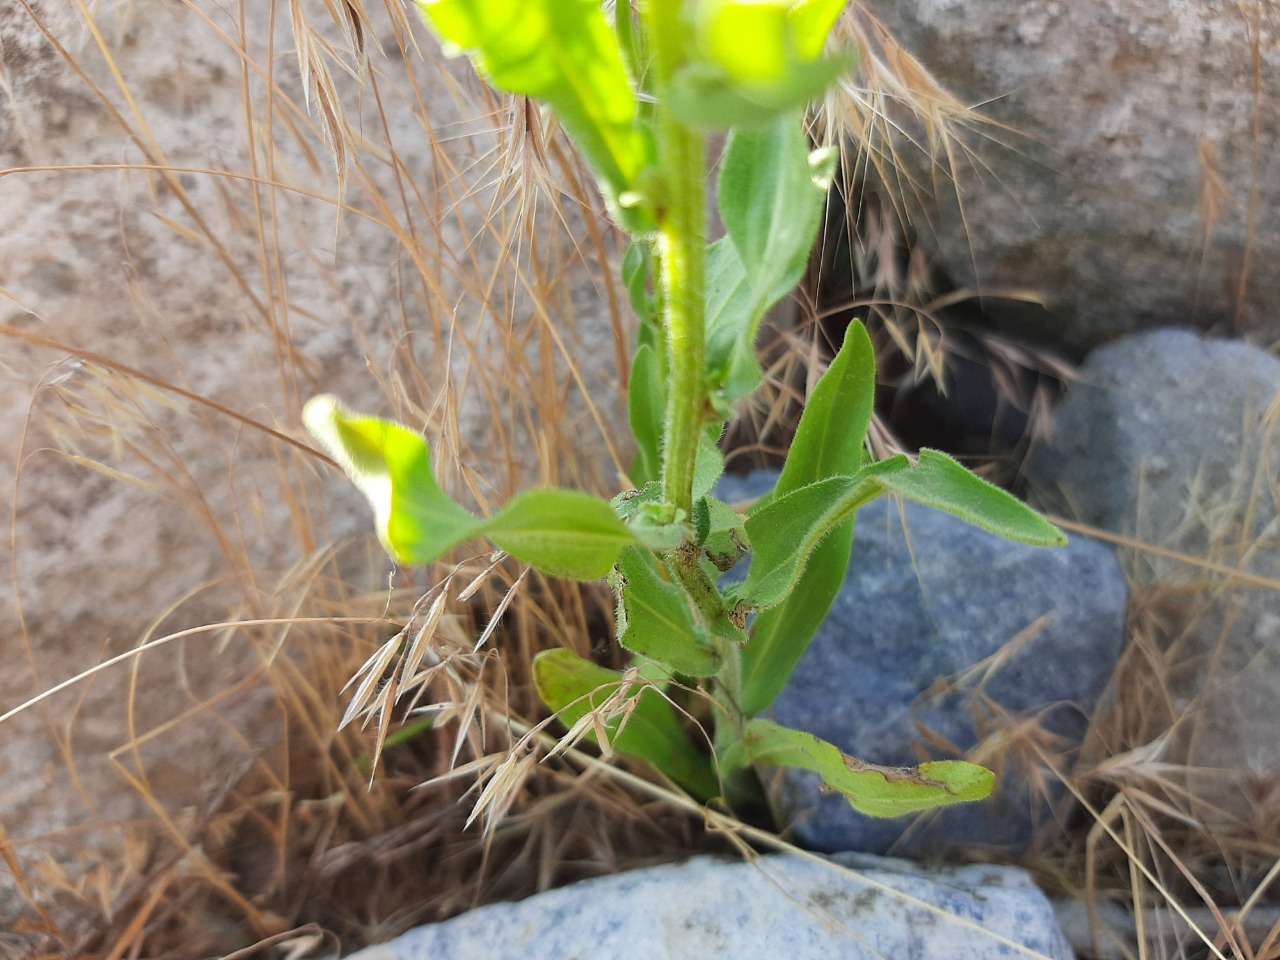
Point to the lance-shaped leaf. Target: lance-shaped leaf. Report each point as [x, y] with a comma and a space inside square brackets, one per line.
[656, 618]
[560, 532]
[828, 442]
[646, 410]
[833, 428]
[771, 194]
[785, 530]
[870, 789]
[564, 53]
[572, 686]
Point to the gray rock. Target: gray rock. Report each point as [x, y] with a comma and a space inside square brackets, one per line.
[775, 906]
[1160, 440]
[942, 627]
[1124, 185]
[1170, 439]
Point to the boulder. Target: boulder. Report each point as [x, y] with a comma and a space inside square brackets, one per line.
[235, 274]
[1170, 439]
[773, 906]
[1126, 180]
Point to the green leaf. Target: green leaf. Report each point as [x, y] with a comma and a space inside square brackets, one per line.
[655, 523]
[646, 410]
[561, 532]
[829, 442]
[938, 481]
[748, 40]
[630, 503]
[870, 789]
[771, 193]
[733, 321]
[780, 635]
[635, 277]
[771, 199]
[656, 619]
[785, 530]
[391, 465]
[709, 466]
[754, 60]
[564, 53]
[833, 428]
[630, 42]
[725, 541]
[572, 686]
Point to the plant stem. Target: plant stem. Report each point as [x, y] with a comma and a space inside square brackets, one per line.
[682, 231]
[682, 271]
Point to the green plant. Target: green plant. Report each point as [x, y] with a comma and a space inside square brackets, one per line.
[639, 97]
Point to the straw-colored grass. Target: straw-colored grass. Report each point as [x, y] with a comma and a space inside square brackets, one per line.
[502, 339]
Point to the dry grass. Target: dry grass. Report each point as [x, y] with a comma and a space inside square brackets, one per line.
[317, 831]
[308, 833]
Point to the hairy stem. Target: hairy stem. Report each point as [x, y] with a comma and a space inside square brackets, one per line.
[682, 230]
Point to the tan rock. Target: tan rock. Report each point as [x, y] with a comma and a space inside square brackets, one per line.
[203, 249]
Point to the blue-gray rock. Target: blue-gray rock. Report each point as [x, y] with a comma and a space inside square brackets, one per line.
[1160, 439]
[945, 634]
[1174, 440]
[776, 906]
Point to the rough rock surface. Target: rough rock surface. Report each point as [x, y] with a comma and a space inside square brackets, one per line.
[1141, 189]
[776, 906]
[231, 276]
[1171, 439]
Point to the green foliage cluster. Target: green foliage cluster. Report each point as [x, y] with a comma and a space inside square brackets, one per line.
[639, 96]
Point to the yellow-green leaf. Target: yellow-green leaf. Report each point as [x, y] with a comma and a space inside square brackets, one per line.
[560, 532]
[564, 53]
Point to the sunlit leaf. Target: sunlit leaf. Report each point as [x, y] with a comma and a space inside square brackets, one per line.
[755, 60]
[564, 53]
[811, 22]
[707, 98]
[560, 532]
[391, 465]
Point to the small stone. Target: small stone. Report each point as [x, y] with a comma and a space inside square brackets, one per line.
[775, 906]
